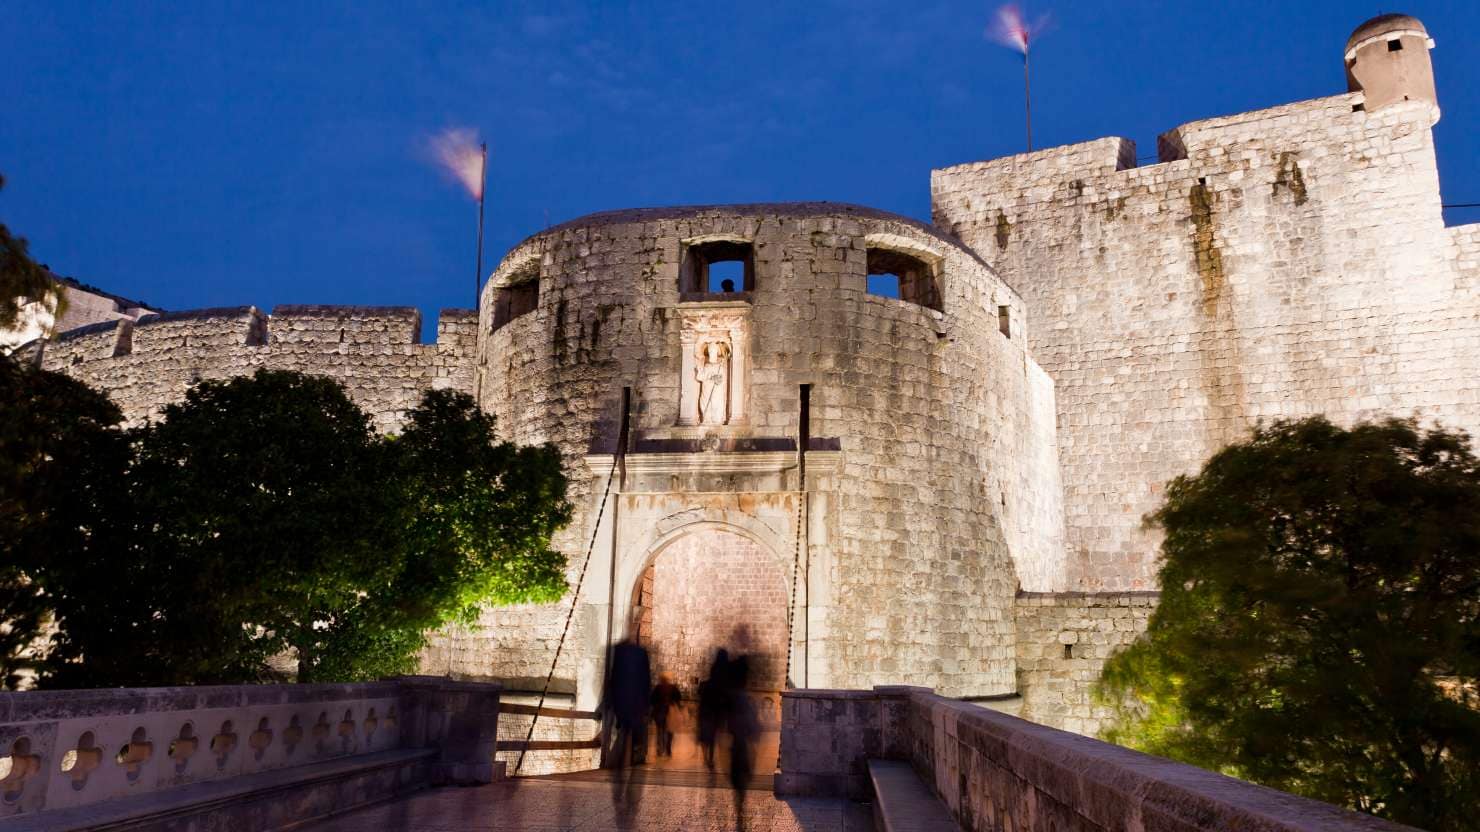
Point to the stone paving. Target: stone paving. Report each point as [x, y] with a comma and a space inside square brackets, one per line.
[555, 803]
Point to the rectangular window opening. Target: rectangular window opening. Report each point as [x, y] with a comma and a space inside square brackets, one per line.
[718, 268]
[898, 274]
[1004, 320]
[1068, 651]
[1395, 45]
[520, 297]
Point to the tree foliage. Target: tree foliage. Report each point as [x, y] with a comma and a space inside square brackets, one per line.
[22, 280]
[61, 452]
[1317, 630]
[263, 516]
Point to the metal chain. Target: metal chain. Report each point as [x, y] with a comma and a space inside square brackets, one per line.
[796, 564]
[575, 599]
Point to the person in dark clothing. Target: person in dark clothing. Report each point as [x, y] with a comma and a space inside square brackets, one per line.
[744, 729]
[740, 717]
[712, 705]
[666, 697]
[625, 704]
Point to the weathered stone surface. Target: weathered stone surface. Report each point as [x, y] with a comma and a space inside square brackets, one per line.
[996, 771]
[1279, 263]
[373, 351]
[250, 756]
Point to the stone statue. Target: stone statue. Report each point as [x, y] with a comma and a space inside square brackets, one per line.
[712, 371]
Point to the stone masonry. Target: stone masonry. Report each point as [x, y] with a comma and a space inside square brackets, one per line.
[1073, 331]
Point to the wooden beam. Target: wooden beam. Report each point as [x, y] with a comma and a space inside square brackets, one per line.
[548, 745]
[558, 713]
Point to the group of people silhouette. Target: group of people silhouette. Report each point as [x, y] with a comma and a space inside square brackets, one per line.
[724, 710]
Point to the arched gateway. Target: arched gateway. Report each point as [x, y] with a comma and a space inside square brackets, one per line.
[712, 587]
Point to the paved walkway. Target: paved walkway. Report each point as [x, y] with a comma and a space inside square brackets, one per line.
[548, 804]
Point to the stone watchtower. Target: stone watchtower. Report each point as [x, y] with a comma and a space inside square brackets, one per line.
[1387, 59]
[889, 551]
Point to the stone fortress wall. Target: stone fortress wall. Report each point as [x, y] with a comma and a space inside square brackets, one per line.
[1274, 264]
[1281, 263]
[946, 473]
[374, 351]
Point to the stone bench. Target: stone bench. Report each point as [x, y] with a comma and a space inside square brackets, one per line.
[902, 801]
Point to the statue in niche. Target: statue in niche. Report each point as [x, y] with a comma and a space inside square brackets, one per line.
[712, 371]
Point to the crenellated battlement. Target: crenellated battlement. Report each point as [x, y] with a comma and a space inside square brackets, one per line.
[375, 351]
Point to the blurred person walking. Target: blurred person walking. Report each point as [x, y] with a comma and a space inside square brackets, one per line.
[712, 705]
[666, 697]
[625, 704]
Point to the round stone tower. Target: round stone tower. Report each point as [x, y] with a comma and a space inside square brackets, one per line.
[683, 358]
[1387, 59]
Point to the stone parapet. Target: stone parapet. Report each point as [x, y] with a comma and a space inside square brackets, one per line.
[996, 771]
[76, 754]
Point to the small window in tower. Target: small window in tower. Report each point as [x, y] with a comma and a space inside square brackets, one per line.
[1004, 320]
[1395, 45]
[897, 274]
[1068, 651]
[718, 268]
[519, 297]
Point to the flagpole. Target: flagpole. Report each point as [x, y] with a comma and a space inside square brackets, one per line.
[482, 190]
[1027, 96]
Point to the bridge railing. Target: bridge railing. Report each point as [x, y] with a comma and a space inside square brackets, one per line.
[996, 771]
[134, 753]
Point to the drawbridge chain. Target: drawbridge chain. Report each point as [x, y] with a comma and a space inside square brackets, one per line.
[575, 599]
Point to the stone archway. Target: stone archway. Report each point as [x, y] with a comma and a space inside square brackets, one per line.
[697, 591]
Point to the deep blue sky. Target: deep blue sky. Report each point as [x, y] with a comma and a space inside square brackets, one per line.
[209, 154]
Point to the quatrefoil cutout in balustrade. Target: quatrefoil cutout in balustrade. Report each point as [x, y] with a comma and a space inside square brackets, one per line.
[260, 739]
[80, 761]
[346, 732]
[292, 735]
[135, 754]
[371, 723]
[321, 731]
[223, 744]
[15, 768]
[183, 747]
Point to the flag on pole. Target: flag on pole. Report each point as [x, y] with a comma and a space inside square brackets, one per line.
[465, 159]
[1012, 30]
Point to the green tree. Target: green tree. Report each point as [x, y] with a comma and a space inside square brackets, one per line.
[263, 517]
[22, 280]
[1317, 630]
[476, 520]
[62, 457]
[269, 515]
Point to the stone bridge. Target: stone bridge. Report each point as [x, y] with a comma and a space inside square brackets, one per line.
[427, 754]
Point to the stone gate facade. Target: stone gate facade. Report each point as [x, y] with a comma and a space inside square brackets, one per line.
[943, 488]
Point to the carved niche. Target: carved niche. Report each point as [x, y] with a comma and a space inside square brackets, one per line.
[716, 344]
